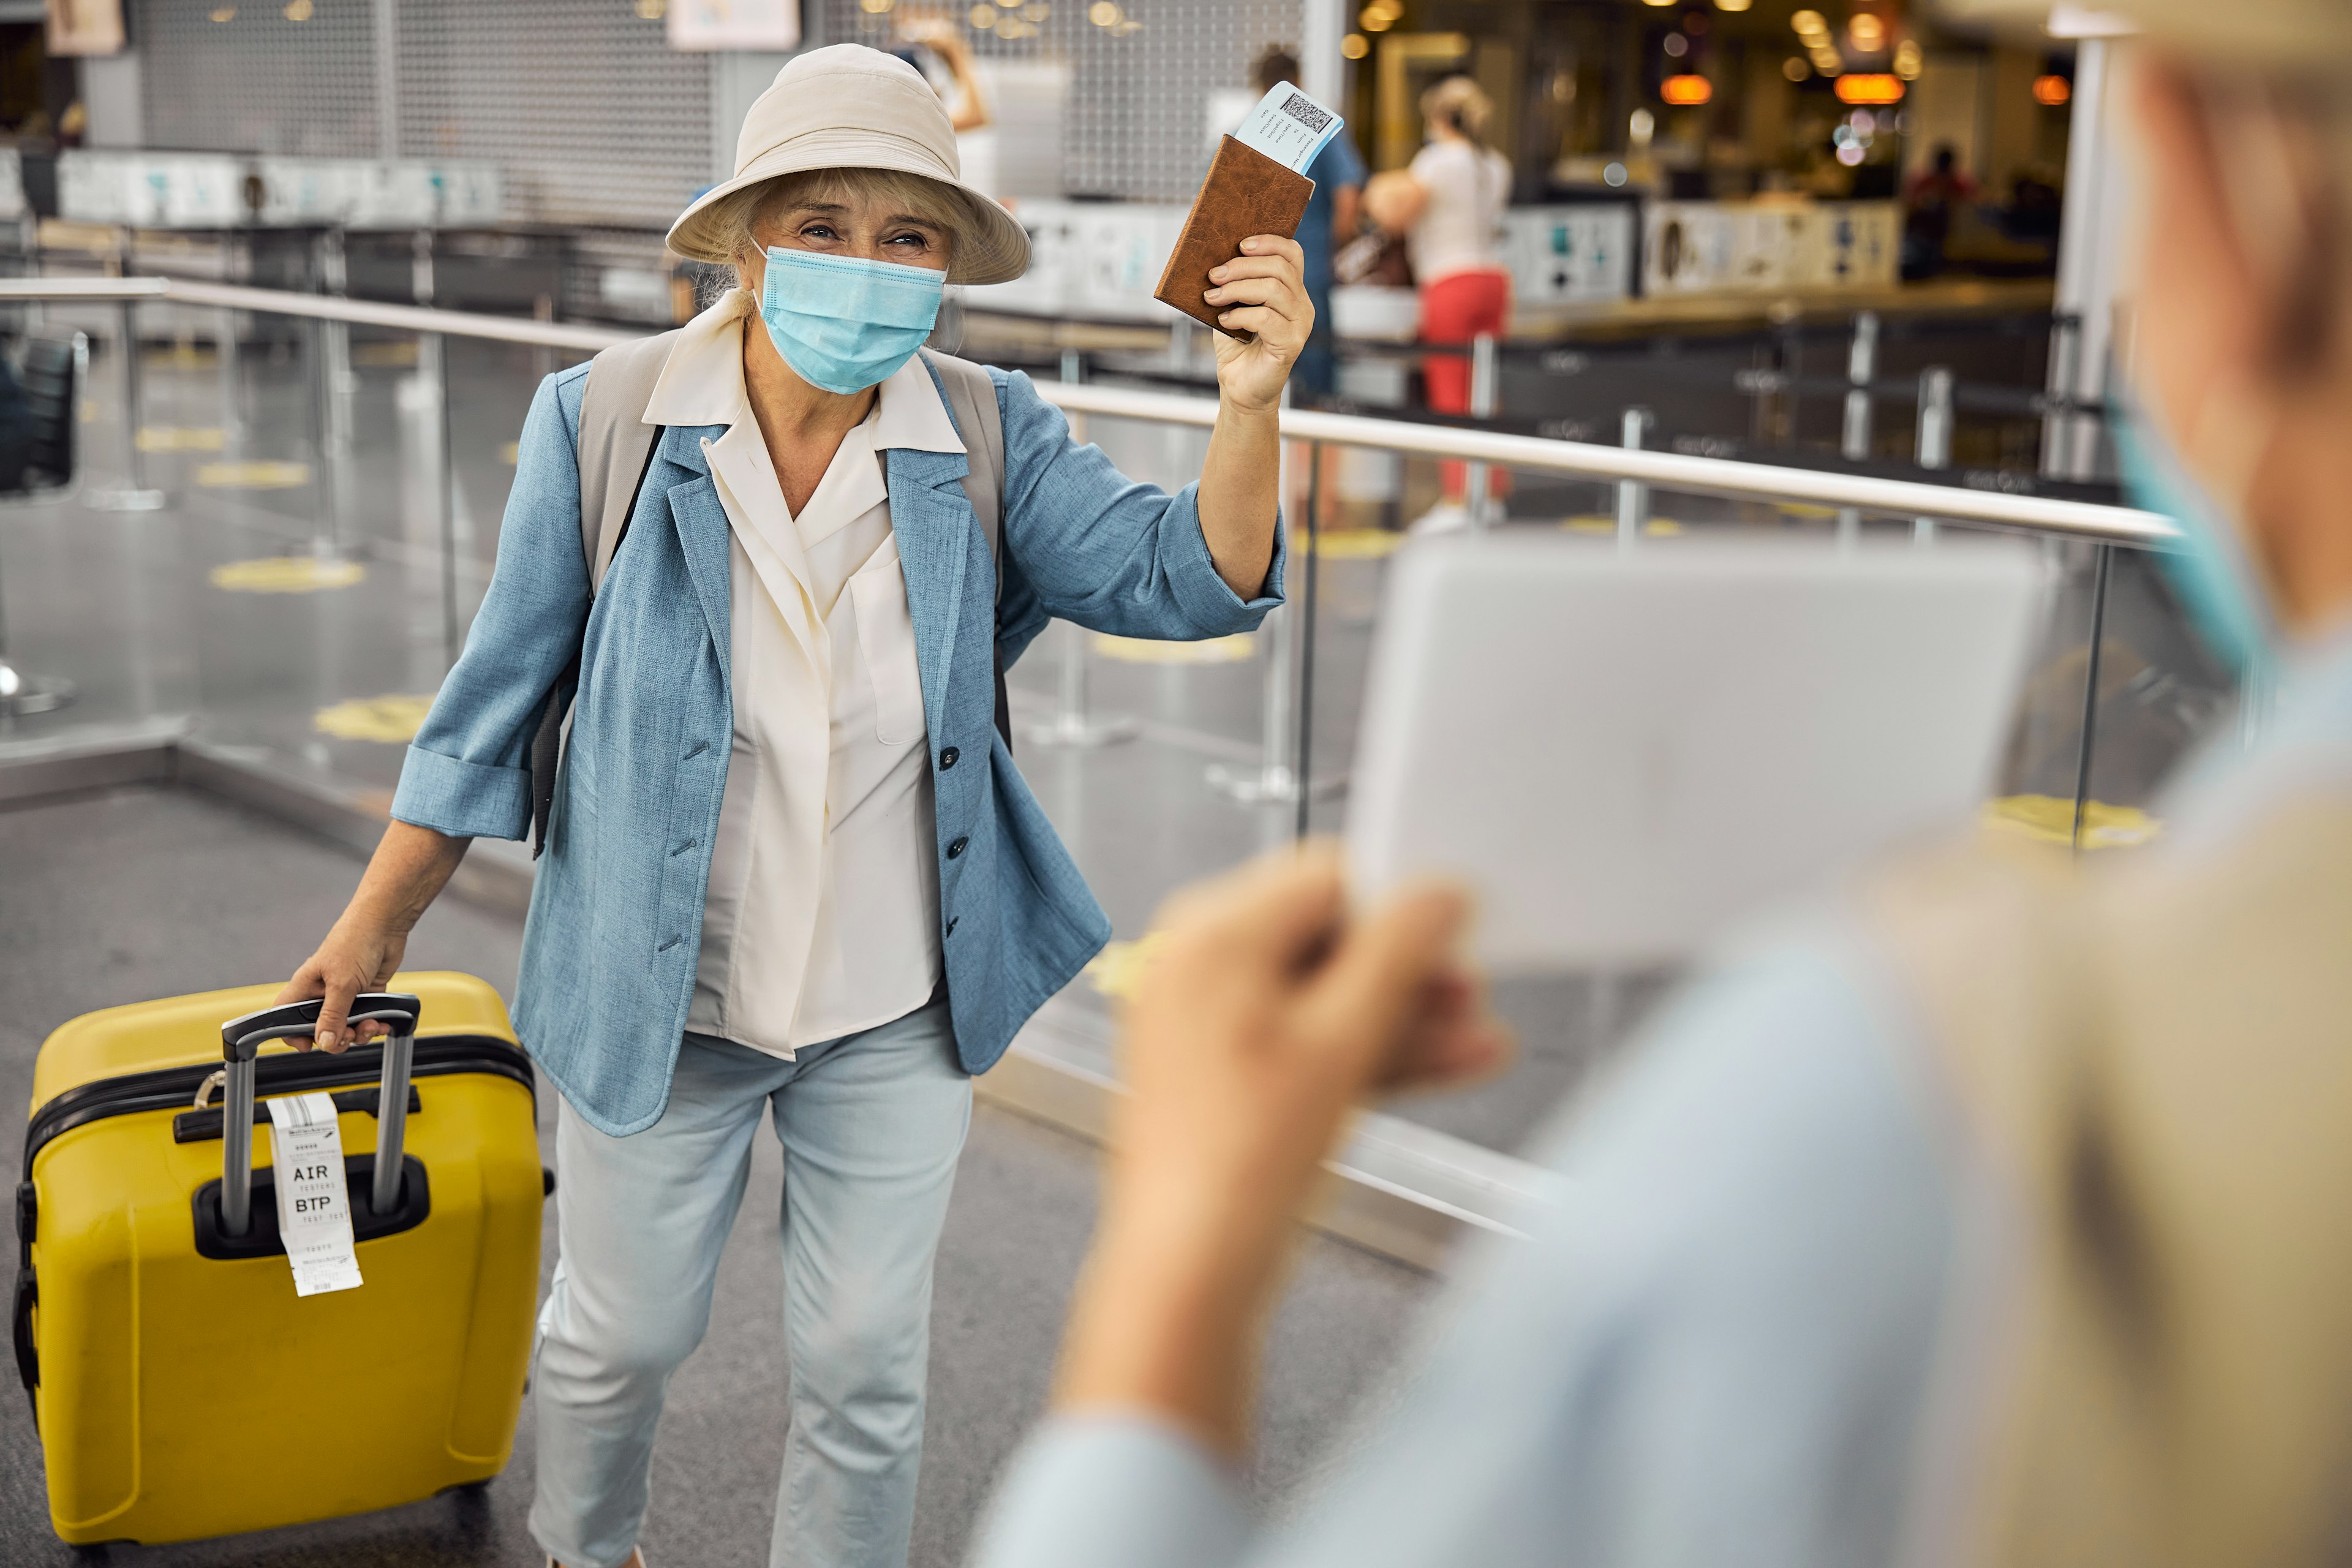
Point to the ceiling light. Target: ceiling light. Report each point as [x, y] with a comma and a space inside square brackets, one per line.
[1686, 90]
[2052, 91]
[1796, 68]
[1355, 46]
[1868, 33]
[1870, 87]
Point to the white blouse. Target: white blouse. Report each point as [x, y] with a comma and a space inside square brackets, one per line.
[822, 917]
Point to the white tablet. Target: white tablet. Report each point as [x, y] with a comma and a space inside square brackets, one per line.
[1624, 753]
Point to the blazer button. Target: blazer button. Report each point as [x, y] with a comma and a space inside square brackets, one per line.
[956, 848]
[947, 757]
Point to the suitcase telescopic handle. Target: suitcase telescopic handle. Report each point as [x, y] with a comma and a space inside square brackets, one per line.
[242, 1039]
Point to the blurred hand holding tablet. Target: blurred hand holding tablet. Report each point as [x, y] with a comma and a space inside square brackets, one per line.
[1624, 754]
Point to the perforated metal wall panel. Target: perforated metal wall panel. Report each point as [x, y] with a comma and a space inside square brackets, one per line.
[1136, 124]
[592, 116]
[581, 103]
[255, 82]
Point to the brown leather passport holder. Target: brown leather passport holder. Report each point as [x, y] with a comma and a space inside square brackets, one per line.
[1246, 193]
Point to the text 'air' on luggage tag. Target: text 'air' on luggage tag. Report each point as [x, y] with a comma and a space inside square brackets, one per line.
[314, 1209]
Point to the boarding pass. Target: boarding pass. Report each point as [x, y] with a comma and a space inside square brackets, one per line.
[1288, 127]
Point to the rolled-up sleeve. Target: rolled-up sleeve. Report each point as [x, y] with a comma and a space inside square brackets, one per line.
[1712, 1348]
[1116, 555]
[467, 772]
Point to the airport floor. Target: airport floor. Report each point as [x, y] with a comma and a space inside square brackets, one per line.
[135, 893]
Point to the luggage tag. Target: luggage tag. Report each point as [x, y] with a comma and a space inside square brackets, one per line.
[314, 1208]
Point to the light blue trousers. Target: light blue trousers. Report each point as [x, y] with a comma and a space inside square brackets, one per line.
[871, 1126]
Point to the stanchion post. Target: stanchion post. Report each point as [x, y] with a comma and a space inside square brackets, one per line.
[1071, 724]
[136, 494]
[1485, 377]
[444, 481]
[1935, 448]
[1632, 495]
[231, 381]
[2091, 692]
[1853, 443]
[1274, 780]
[1309, 570]
[326, 535]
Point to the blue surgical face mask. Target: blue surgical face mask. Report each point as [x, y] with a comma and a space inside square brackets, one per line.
[2209, 567]
[845, 323]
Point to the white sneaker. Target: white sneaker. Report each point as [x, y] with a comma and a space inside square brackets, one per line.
[1445, 517]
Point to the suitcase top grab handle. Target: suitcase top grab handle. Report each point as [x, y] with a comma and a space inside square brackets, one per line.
[241, 1037]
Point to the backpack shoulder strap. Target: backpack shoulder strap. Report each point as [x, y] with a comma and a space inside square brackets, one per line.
[617, 445]
[970, 393]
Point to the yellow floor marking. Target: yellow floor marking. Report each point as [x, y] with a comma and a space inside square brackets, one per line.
[1142, 650]
[1351, 543]
[2050, 819]
[398, 354]
[1120, 965]
[1601, 523]
[511, 454]
[1805, 510]
[183, 357]
[287, 574]
[393, 720]
[266, 475]
[178, 438]
[89, 410]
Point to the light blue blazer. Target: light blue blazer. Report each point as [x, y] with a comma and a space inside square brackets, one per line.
[615, 924]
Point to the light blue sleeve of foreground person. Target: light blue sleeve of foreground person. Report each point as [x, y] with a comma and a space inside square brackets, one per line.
[1712, 1349]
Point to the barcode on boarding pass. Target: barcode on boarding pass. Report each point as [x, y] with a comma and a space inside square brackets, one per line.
[1301, 108]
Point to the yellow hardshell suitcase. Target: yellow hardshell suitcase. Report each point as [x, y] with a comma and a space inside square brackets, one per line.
[182, 1388]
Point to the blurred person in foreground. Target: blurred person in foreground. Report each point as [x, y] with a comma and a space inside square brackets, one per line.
[1333, 213]
[1448, 203]
[2000, 1213]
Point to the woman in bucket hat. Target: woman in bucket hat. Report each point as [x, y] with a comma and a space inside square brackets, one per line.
[790, 868]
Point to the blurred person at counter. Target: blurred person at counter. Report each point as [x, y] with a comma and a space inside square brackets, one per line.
[791, 873]
[1933, 195]
[1996, 1211]
[1333, 215]
[1448, 203]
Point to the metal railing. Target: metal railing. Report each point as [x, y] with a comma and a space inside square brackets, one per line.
[1282, 774]
[1534, 454]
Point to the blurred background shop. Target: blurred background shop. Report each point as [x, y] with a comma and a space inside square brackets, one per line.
[1730, 185]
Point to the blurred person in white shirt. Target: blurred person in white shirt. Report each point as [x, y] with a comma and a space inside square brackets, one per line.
[1448, 203]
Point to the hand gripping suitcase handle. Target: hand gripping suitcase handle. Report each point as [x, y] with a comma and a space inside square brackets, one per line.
[242, 1039]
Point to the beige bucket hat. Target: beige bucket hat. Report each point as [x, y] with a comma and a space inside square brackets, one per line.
[849, 107]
